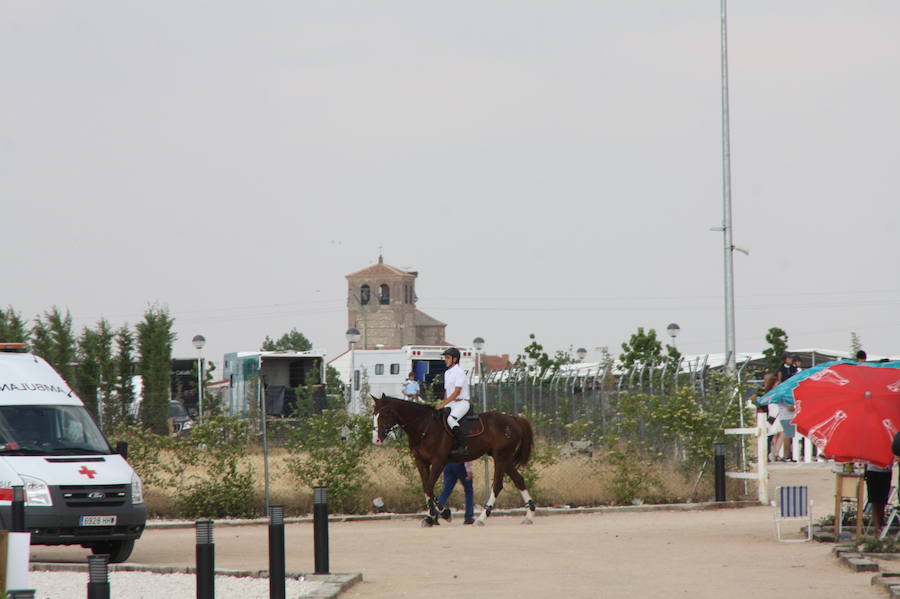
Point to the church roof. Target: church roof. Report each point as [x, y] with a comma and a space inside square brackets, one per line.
[380, 270]
[424, 320]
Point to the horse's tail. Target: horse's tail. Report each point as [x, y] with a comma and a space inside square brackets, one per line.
[523, 452]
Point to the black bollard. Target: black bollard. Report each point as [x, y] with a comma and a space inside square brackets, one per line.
[719, 449]
[320, 529]
[206, 560]
[98, 577]
[20, 594]
[17, 510]
[276, 552]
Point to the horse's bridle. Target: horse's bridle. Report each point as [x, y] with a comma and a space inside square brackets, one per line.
[388, 431]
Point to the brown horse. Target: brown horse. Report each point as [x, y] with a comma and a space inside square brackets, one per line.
[507, 439]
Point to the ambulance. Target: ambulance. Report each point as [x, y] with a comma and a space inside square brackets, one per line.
[78, 490]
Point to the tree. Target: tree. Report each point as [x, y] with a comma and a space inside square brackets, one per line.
[642, 348]
[293, 341]
[777, 340]
[154, 343]
[534, 356]
[12, 328]
[855, 344]
[673, 357]
[96, 369]
[53, 340]
[123, 369]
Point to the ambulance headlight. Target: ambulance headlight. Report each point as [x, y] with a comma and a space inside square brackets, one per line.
[137, 489]
[37, 493]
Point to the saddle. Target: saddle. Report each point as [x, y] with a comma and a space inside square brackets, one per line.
[471, 423]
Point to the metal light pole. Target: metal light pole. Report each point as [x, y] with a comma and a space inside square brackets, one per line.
[730, 357]
[478, 343]
[199, 341]
[352, 335]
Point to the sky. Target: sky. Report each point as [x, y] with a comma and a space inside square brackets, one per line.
[552, 168]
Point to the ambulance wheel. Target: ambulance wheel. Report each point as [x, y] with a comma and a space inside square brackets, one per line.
[118, 551]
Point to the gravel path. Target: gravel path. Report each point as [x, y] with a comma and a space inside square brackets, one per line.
[143, 585]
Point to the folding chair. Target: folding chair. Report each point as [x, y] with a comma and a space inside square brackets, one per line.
[888, 514]
[792, 503]
[891, 513]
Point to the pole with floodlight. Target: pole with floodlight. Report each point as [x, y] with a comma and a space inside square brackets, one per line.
[352, 335]
[199, 341]
[478, 343]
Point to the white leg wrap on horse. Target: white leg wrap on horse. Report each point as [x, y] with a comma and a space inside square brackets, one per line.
[529, 513]
[483, 515]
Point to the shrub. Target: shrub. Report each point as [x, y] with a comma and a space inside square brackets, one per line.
[328, 450]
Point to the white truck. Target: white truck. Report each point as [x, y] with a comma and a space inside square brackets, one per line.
[78, 490]
[377, 371]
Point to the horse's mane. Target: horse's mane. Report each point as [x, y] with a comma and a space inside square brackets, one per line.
[405, 402]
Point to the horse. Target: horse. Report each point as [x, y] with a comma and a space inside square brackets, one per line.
[508, 439]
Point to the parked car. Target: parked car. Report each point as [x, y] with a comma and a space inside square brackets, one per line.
[182, 423]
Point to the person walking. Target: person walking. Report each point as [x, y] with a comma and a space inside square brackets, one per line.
[456, 395]
[785, 439]
[411, 388]
[462, 473]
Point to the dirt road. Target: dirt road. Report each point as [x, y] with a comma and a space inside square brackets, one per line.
[711, 553]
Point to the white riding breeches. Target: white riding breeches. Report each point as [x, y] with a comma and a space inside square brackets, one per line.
[458, 409]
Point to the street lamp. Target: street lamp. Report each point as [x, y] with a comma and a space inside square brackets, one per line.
[352, 335]
[673, 330]
[478, 343]
[581, 353]
[199, 341]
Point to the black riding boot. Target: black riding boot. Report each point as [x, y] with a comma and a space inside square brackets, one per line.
[461, 447]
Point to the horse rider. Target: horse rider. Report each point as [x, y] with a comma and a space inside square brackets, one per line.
[456, 395]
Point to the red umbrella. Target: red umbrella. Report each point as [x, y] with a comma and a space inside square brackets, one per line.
[851, 411]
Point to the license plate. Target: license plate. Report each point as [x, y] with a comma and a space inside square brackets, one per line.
[97, 521]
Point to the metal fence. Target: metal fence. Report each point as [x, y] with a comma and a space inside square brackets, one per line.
[587, 395]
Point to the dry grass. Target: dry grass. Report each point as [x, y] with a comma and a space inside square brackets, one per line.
[572, 481]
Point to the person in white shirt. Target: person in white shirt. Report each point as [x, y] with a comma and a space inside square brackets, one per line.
[456, 395]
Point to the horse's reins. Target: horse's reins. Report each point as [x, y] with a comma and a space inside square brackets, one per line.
[412, 445]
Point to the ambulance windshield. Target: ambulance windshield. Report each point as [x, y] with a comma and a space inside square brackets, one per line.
[48, 429]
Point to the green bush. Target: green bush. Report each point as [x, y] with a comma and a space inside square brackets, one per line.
[205, 470]
[224, 488]
[328, 450]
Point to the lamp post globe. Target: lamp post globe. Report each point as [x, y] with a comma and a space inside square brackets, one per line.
[478, 343]
[352, 335]
[199, 341]
[581, 353]
[673, 330]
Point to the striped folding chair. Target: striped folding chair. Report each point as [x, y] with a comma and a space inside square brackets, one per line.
[792, 503]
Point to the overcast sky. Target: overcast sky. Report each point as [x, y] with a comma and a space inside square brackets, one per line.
[548, 167]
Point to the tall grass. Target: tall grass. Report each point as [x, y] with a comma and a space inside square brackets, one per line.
[567, 481]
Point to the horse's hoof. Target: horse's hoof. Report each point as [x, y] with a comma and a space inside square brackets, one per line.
[429, 521]
[479, 523]
[445, 514]
[527, 521]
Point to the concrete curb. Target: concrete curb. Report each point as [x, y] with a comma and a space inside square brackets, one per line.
[541, 511]
[328, 586]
